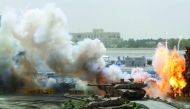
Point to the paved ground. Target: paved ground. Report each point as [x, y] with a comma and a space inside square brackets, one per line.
[30, 102]
[155, 104]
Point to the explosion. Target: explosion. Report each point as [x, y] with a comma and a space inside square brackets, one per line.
[170, 66]
[45, 44]
[176, 67]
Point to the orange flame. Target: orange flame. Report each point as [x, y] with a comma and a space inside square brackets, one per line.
[170, 67]
[176, 67]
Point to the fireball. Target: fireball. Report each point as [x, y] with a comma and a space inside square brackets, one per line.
[176, 67]
[170, 66]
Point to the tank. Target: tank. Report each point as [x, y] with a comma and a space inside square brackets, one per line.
[111, 103]
[108, 103]
[124, 89]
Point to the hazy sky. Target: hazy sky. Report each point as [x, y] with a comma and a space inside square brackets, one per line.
[132, 18]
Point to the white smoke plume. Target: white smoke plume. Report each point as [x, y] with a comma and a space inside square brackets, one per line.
[81, 85]
[43, 35]
[50, 82]
[114, 73]
[139, 75]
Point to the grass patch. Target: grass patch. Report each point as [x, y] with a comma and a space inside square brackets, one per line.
[72, 104]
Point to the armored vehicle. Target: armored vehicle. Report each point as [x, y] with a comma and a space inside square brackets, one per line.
[124, 89]
[108, 103]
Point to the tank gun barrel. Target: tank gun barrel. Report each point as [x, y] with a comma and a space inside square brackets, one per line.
[100, 84]
[75, 98]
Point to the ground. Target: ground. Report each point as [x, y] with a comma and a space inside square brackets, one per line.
[155, 104]
[57, 102]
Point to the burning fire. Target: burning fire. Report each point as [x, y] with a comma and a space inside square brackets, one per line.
[176, 67]
[170, 67]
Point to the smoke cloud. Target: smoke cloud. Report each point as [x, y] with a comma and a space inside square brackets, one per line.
[41, 36]
[114, 73]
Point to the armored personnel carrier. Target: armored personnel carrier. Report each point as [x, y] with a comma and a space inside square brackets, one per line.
[124, 89]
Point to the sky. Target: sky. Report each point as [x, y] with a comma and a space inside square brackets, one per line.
[132, 18]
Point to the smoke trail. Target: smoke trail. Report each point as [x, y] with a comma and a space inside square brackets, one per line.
[178, 44]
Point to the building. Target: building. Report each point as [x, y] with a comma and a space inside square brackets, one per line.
[140, 61]
[110, 39]
[129, 62]
[135, 61]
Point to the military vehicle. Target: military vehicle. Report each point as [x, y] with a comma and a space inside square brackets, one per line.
[124, 89]
[108, 103]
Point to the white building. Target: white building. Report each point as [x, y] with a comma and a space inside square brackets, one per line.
[110, 39]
